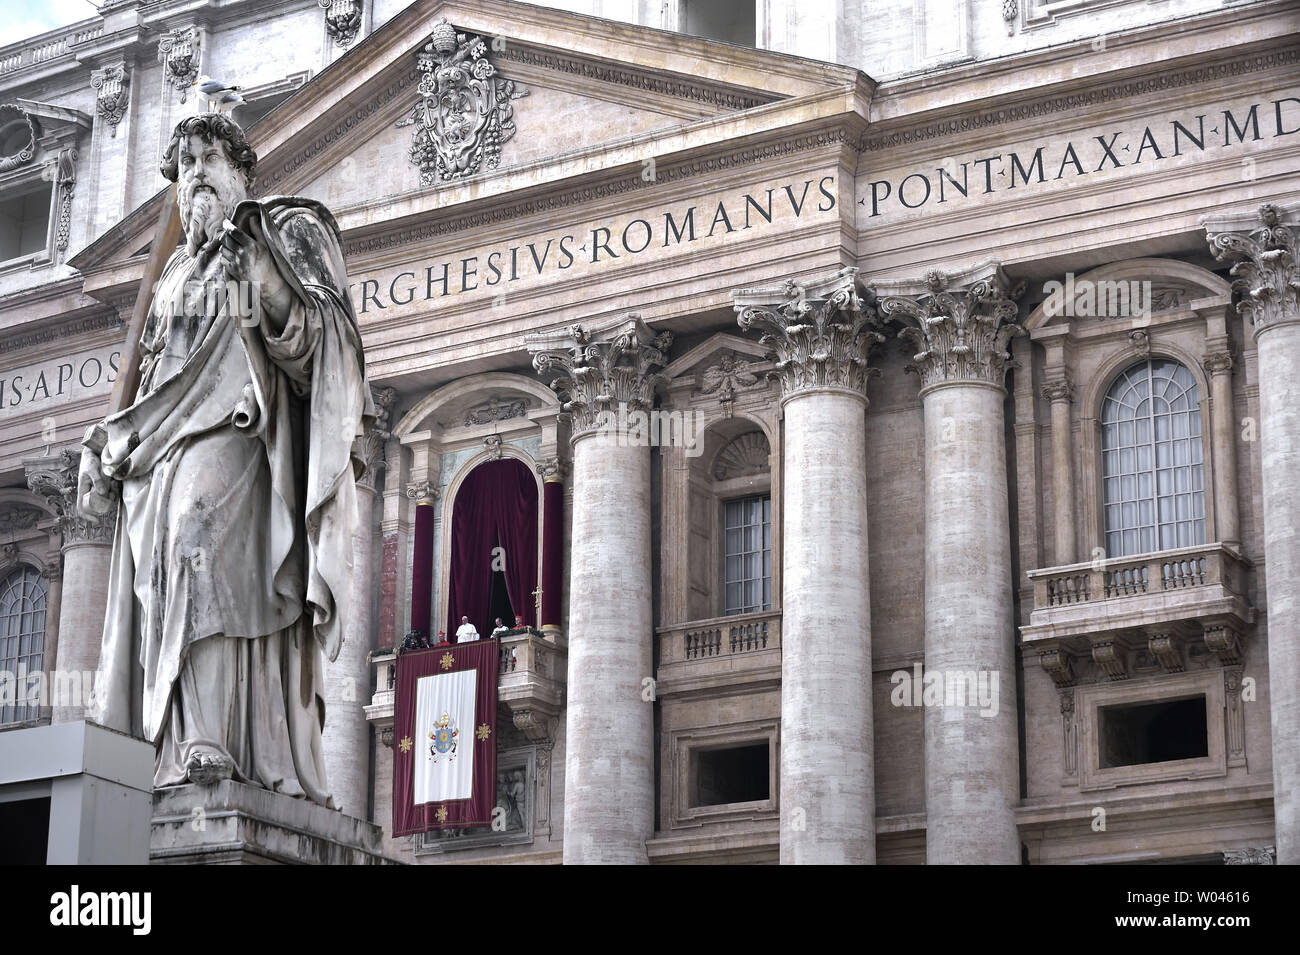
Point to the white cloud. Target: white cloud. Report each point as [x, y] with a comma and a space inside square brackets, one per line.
[24, 20]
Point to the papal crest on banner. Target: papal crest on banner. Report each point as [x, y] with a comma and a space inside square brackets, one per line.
[444, 728]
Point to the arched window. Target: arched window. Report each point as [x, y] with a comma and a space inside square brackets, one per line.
[1153, 475]
[22, 640]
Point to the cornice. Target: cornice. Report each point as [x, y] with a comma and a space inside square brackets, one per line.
[1111, 92]
[685, 87]
[666, 172]
[61, 330]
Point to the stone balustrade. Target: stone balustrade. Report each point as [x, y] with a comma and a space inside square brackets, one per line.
[1190, 584]
[47, 46]
[720, 636]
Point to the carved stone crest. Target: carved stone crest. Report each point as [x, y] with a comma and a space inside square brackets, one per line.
[342, 20]
[178, 52]
[111, 94]
[463, 116]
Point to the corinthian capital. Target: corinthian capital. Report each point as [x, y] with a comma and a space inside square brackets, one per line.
[599, 372]
[55, 478]
[370, 447]
[1264, 276]
[960, 325]
[821, 331]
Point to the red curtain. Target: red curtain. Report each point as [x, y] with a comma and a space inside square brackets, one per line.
[496, 504]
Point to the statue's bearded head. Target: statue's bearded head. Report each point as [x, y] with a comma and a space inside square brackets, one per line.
[212, 165]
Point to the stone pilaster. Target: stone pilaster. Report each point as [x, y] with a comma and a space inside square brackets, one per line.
[87, 550]
[1060, 392]
[821, 332]
[346, 736]
[960, 327]
[1267, 284]
[606, 378]
[1218, 365]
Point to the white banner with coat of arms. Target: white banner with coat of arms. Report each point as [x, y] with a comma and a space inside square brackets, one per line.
[444, 720]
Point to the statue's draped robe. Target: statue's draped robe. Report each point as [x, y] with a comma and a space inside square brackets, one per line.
[233, 550]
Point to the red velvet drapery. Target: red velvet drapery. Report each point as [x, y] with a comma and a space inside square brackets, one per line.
[497, 503]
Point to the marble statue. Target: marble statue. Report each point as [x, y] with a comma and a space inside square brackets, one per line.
[232, 477]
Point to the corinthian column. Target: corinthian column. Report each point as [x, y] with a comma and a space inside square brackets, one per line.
[1268, 285]
[607, 378]
[346, 737]
[821, 336]
[960, 326]
[87, 550]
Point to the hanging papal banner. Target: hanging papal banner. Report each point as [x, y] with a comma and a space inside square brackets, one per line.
[444, 737]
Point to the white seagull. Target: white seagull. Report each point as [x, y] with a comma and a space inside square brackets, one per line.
[218, 95]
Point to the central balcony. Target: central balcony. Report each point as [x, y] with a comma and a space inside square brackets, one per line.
[530, 683]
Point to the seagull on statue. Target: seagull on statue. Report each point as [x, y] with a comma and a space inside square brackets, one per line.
[218, 95]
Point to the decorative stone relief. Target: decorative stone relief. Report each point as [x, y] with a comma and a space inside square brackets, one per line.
[1235, 717]
[25, 152]
[960, 329]
[1060, 389]
[65, 183]
[821, 331]
[1264, 274]
[1141, 342]
[1070, 734]
[55, 479]
[1218, 363]
[492, 443]
[370, 448]
[602, 372]
[746, 454]
[422, 492]
[1225, 643]
[342, 20]
[179, 52]
[19, 517]
[496, 409]
[1250, 856]
[1058, 666]
[1167, 650]
[1110, 658]
[463, 116]
[552, 469]
[725, 377]
[111, 95]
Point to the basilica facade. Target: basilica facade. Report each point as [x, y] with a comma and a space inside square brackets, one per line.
[879, 427]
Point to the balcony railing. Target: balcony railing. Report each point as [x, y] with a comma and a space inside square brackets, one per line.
[47, 46]
[720, 637]
[1190, 583]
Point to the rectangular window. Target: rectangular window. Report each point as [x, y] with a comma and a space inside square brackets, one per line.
[747, 542]
[25, 222]
[1159, 732]
[735, 774]
[731, 21]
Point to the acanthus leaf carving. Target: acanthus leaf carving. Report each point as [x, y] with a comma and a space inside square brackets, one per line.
[960, 331]
[54, 478]
[599, 373]
[820, 332]
[1264, 273]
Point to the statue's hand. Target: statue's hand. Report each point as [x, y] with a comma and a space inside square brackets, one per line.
[96, 495]
[245, 258]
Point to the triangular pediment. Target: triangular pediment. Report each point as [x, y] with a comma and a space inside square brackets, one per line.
[602, 98]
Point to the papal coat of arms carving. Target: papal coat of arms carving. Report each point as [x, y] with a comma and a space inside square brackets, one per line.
[463, 115]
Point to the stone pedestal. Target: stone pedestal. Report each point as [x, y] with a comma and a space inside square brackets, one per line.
[960, 327]
[609, 764]
[828, 798]
[96, 783]
[234, 824]
[1268, 282]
